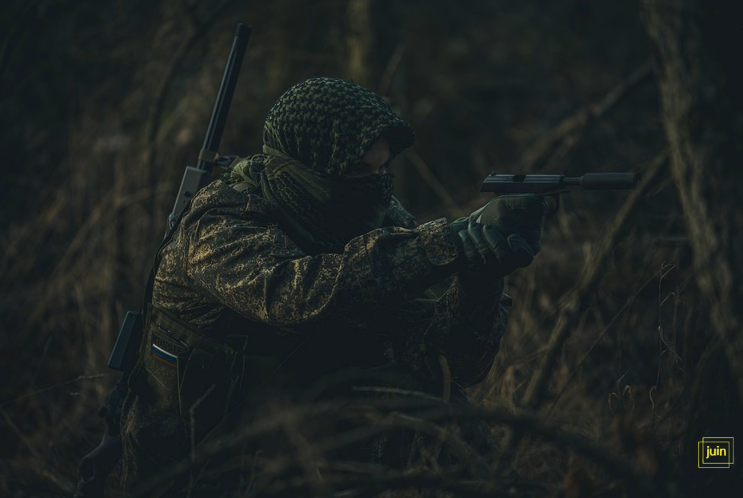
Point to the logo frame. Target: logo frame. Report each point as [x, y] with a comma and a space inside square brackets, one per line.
[728, 444]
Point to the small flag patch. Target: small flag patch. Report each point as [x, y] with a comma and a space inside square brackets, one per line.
[166, 357]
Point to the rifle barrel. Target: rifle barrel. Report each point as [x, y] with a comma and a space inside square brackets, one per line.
[224, 97]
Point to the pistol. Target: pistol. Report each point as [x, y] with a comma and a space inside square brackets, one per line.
[554, 185]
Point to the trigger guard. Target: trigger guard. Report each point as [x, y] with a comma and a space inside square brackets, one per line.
[554, 206]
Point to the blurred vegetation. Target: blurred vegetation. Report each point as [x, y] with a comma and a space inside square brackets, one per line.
[104, 102]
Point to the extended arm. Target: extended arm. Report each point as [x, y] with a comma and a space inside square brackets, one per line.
[251, 266]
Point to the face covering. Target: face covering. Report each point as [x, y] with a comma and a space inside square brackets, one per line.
[313, 135]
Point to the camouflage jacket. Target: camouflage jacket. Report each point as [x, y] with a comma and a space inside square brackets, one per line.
[230, 268]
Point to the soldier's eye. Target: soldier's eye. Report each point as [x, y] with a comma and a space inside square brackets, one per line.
[363, 169]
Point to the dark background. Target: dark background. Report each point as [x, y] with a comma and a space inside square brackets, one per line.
[103, 103]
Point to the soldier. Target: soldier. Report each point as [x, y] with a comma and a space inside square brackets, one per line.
[300, 264]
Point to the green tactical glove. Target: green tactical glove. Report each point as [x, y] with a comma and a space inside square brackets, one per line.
[501, 236]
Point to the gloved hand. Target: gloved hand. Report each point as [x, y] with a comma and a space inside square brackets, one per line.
[503, 235]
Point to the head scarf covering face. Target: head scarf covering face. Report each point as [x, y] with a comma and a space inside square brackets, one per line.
[313, 135]
[328, 124]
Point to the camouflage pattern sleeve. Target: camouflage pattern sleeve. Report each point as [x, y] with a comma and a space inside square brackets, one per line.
[463, 317]
[250, 265]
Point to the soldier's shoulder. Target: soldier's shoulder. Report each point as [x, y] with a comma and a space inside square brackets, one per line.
[228, 201]
[219, 215]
